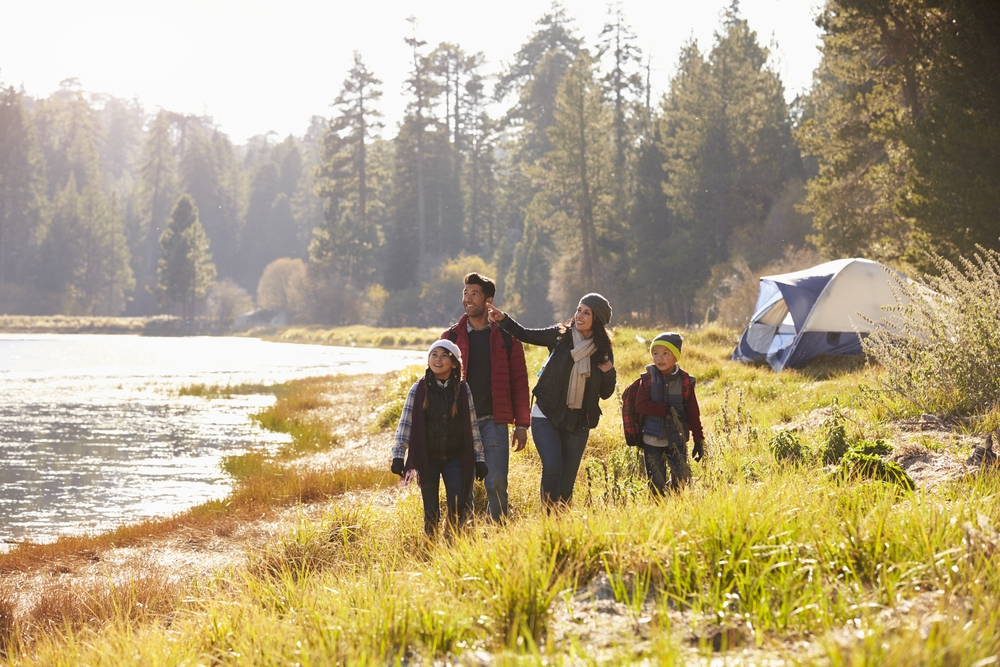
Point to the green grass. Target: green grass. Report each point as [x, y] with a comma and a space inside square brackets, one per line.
[208, 391]
[354, 336]
[756, 554]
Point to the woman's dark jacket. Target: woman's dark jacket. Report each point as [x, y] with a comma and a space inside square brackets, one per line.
[550, 391]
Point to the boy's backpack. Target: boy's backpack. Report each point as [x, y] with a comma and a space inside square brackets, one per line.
[632, 421]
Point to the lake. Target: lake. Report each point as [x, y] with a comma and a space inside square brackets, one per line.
[93, 431]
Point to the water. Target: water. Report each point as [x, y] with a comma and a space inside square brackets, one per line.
[93, 433]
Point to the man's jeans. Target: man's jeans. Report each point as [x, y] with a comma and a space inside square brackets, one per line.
[496, 447]
[561, 452]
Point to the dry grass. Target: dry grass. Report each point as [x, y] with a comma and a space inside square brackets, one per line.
[81, 324]
[141, 571]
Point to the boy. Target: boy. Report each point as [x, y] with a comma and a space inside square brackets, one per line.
[666, 401]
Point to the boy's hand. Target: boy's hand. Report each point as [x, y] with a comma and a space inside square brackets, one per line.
[698, 450]
[494, 314]
[397, 467]
[481, 470]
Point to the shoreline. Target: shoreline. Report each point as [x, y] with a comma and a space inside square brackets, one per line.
[356, 335]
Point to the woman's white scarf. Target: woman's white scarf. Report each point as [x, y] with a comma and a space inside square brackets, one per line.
[582, 349]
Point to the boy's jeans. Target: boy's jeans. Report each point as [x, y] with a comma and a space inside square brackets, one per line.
[659, 459]
[561, 452]
[496, 447]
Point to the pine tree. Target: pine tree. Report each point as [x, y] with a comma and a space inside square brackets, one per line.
[157, 188]
[210, 172]
[350, 236]
[185, 270]
[624, 85]
[868, 88]
[955, 143]
[726, 135]
[22, 190]
[576, 175]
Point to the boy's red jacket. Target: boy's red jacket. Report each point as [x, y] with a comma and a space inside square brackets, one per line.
[637, 396]
[508, 377]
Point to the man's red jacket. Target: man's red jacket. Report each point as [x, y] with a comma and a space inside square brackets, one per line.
[509, 374]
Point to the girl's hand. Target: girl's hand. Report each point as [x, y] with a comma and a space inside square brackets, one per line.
[494, 314]
[605, 365]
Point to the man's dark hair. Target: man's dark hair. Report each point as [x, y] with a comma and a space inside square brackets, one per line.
[489, 287]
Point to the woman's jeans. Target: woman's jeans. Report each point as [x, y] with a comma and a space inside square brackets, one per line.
[561, 452]
[451, 472]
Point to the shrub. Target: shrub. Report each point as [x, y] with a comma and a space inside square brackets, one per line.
[938, 345]
[441, 295]
[226, 300]
[836, 443]
[877, 447]
[284, 285]
[785, 446]
[858, 465]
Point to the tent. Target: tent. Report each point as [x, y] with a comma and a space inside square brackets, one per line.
[816, 311]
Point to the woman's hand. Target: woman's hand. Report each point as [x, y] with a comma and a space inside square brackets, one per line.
[605, 365]
[494, 314]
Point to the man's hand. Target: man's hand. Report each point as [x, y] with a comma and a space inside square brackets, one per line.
[520, 439]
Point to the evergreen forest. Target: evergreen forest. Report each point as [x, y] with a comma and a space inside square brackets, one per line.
[558, 173]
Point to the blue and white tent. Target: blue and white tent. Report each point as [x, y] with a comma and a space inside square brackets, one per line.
[816, 311]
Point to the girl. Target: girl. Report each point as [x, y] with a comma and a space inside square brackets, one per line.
[439, 438]
[579, 371]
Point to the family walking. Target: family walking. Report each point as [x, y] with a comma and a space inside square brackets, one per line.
[455, 420]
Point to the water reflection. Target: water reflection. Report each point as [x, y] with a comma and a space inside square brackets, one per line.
[93, 433]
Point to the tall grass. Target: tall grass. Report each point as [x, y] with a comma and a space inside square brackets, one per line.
[759, 554]
[939, 345]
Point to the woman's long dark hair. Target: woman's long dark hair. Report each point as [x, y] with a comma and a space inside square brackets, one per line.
[602, 339]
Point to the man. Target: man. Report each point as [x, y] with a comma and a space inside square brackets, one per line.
[495, 370]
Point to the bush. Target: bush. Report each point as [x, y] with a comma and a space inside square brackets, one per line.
[939, 345]
[284, 285]
[858, 465]
[836, 443]
[785, 446]
[441, 295]
[871, 447]
[226, 300]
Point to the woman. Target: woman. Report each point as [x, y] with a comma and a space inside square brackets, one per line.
[579, 371]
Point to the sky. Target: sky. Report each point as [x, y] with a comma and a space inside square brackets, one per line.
[257, 66]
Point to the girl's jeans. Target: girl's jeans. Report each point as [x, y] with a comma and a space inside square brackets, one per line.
[561, 452]
[451, 472]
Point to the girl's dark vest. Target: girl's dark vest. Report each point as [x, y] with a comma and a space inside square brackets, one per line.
[418, 453]
[672, 393]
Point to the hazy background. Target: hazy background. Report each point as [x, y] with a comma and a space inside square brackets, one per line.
[258, 66]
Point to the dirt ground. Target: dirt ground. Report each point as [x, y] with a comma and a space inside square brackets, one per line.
[931, 451]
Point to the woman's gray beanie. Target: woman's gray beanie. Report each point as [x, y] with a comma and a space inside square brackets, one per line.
[599, 306]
